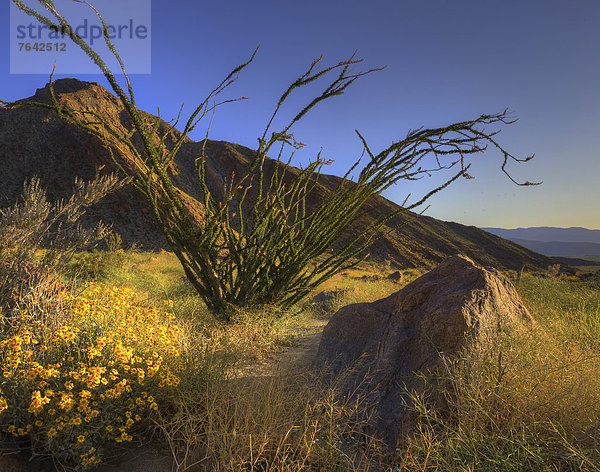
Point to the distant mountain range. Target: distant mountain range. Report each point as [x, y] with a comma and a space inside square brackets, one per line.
[550, 241]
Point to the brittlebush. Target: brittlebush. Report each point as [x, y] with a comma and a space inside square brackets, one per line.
[75, 390]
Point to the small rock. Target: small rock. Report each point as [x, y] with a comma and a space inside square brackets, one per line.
[369, 278]
[323, 298]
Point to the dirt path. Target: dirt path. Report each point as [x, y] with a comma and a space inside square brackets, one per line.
[297, 357]
[305, 348]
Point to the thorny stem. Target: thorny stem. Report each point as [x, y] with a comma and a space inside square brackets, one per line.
[262, 242]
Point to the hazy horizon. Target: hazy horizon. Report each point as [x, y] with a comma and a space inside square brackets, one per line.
[539, 227]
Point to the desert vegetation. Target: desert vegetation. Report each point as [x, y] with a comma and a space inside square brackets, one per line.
[97, 362]
[271, 250]
[129, 355]
[111, 348]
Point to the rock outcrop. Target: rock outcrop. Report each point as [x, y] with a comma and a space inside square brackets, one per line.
[378, 347]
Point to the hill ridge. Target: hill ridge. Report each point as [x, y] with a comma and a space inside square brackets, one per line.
[36, 141]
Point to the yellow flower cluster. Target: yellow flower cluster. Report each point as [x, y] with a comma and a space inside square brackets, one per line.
[91, 380]
[3, 404]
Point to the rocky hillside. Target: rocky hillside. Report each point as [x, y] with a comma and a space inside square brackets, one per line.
[35, 141]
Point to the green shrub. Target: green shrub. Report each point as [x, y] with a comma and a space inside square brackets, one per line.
[38, 237]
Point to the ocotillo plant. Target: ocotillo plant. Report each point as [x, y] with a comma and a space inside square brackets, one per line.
[277, 249]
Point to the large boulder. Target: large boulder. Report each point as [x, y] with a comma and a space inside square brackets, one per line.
[375, 349]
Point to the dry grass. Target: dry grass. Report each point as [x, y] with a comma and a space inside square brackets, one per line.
[277, 423]
[529, 403]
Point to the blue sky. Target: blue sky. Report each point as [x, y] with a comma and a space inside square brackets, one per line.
[446, 61]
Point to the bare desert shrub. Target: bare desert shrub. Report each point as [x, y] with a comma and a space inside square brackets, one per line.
[39, 237]
[33, 223]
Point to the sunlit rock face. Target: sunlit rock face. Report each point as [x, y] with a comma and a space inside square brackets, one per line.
[375, 349]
